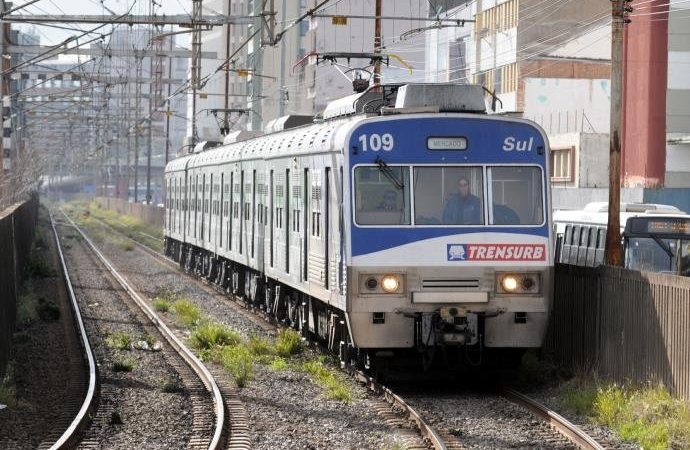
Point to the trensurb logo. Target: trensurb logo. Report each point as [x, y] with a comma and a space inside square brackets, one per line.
[496, 252]
[457, 252]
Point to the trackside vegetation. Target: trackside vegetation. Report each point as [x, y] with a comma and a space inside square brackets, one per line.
[647, 415]
[239, 355]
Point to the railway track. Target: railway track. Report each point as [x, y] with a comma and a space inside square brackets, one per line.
[209, 425]
[431, 437]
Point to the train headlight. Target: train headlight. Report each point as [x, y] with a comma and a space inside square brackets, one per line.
[517, 283]
[390, 283]
[509, 283]
[381, 283]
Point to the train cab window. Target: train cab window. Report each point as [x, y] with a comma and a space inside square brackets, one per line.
[516, 195]
[382, 195]
[449, 195]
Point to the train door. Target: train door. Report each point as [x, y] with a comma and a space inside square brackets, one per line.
[295, 242]
[197, 204]
[243, 216]
[271, 215]
[221, 210]
[231, 211]
[261, 200]
[211, 199]
[307, 226]
[287, 226]
[317, 261]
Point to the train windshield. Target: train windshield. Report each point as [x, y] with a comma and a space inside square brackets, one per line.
[516, 195]
[655, 254]
[382, 195]
[449, 195]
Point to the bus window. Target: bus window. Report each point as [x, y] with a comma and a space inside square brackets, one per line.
[592, 247]
[572, 259]
[601, 245]
[582, 246]
[567, 244]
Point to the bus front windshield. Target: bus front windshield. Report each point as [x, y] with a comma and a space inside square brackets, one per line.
[654, 254]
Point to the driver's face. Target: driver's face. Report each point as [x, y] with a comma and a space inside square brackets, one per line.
[464, 188]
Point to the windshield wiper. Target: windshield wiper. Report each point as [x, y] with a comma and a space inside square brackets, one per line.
[664, 246]
[388, 173]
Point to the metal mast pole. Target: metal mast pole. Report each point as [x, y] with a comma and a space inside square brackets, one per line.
[377, 42]
[613, 232]
[168, 111]
[196, 62]
[137, 111]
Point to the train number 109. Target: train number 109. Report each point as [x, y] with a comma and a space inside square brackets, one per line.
[376, 142]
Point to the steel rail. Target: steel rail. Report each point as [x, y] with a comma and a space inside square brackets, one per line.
[571, 431]
[83, 416]
[194, 363]
[427, 432]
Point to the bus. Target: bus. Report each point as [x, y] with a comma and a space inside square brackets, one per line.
[655, 238]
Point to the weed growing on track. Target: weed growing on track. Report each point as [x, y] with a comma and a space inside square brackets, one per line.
[115, 418]
[119, 340]
[648, 415]
[278, 364]
[7, 394]
[124, 365]
[27, 307]
[161, 305]
[188, 314]
[288, 342]
[336, 388]
[170, 386]
[239, 362]
[212, 334]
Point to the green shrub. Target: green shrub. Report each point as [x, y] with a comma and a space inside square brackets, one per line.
[239, 362]
[170, 386]
[115, 418]
[124, 365]
[278, 364]
[188, 314]
[259, 346]
[48, 310]
[38, 267]
[119, 340]
[213, 334]
[8, 394]
[27, 308]
[161, 305]
[288, 342]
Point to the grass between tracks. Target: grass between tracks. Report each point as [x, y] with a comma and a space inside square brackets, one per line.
[89, 213]
[217, 342]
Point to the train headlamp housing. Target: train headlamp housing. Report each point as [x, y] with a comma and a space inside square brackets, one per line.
[381, 283]
[390, 283]
[518, 283]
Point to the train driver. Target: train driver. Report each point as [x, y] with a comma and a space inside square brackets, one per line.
[462, 208]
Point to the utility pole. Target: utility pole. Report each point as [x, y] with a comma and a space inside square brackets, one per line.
[619, 12]
[377, 42]
[168, 111]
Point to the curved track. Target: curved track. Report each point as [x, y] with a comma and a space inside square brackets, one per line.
[70, 435]
[219, 429]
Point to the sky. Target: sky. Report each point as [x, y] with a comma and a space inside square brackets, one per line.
[50, 36]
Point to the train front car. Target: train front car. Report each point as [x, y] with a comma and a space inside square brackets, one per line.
[449, 237]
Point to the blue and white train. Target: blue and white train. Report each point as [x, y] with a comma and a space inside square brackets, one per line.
[405, 221]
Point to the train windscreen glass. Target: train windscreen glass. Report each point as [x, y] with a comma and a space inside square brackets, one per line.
[516, 195]
[449, 195]
[382, 195]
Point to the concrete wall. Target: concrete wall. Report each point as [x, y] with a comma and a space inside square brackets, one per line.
[152, 215]
[17, 225]
[568, 105]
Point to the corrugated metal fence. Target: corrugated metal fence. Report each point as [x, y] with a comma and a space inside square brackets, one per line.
[16, 235]
[622, 324]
